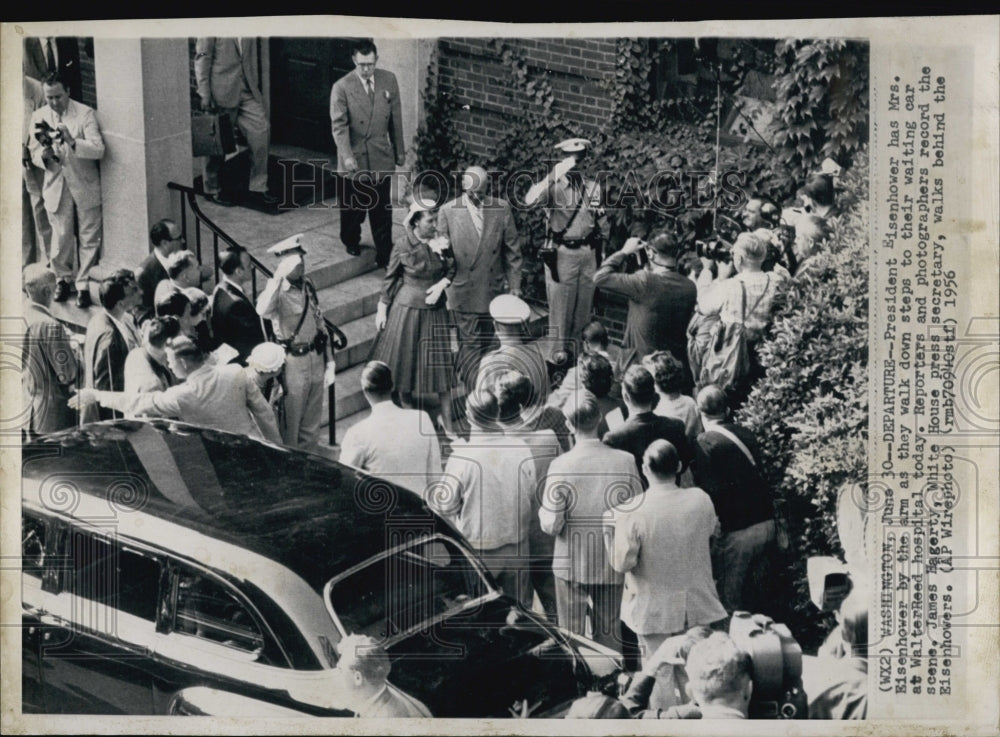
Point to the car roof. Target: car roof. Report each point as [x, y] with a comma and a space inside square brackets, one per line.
[315, 516]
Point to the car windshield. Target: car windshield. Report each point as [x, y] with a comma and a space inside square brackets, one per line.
[394, 593]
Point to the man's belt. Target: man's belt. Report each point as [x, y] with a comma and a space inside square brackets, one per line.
[299, 349]
[574, 243]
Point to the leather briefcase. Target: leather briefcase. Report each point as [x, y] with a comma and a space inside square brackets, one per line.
[212, 134]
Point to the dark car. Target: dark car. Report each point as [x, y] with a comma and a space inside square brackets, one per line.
[169, 568]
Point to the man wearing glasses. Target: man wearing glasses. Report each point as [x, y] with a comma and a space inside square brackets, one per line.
[167, 239]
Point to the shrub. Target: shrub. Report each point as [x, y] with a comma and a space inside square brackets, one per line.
[810, 411]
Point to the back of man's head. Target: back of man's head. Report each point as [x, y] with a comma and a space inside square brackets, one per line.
[712, 402]
[364, 656]
[161, 329]
[638, 387]
[114, 288]
[719, 673]
[482, 409]
[596, 335]
[35, 278]
[179, 263]
[231, 259]
[582, 413]
[376, 379]
[751, 248]
[175, 304]
[512, 390]
[596, 374]
[667, 371]
[665, 245]
[661, 459]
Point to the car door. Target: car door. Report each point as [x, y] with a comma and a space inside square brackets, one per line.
[34, 536]
[98, 623]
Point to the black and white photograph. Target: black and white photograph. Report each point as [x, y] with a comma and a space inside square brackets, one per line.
[498, 376]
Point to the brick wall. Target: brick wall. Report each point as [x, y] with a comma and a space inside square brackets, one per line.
[476, 77]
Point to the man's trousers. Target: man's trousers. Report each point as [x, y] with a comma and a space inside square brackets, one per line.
[63, 250]
[571, 299]
[251, 119]
[303, 399]
[573, 607]
[359, 195]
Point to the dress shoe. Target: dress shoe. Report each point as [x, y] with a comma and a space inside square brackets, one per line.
[265, 199]
[62, 292]
[354, 250]
[219, 199]
[83, 298]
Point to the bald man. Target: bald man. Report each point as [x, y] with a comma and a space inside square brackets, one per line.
[487, 250]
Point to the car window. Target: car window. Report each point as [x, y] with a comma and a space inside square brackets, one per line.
[395, 593]
[206, 609]
[33, 536]
[101, 570]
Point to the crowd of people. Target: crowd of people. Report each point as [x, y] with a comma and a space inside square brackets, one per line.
[622, 501]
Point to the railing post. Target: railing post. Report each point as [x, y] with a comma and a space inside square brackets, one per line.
[331, 397]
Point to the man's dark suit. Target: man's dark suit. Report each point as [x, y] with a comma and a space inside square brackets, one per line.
[235, 320]
[151, 273]
[369, 130]
[104, 354]
[638, 431]
[68, 53]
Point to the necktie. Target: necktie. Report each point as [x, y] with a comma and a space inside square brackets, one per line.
[477, 219]
[371, 91]
[50, 55]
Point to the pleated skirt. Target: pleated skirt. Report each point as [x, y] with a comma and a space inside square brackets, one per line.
[416, 345]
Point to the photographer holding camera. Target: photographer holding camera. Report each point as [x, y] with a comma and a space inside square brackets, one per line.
[66, 142]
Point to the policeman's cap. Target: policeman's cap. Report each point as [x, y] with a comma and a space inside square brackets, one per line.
[287, 247]
[572, 145]
[507, 309]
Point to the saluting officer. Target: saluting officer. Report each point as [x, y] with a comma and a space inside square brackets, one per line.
[576, 230]
[289, 301]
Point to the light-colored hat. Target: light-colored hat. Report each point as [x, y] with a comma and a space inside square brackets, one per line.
[507, 309]
[287, 246]
[266, 357]
[572, 145]
[415, 207]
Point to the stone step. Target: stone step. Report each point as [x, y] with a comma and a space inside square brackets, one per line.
[350, 398]
[353, 299]
[360, 337]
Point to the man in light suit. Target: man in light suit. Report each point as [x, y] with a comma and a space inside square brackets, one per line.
[110, 337]
[72, 185]
[225, 71]
[48, 54]
[367, 121]
[48, 362]
[581, 486]
[662, 543]
[487, 249]
[221, 397]
[36, 233]
[397, 444]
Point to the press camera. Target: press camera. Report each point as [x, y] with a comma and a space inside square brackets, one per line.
[777, 666]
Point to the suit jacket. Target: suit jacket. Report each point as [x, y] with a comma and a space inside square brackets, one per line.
[221, 397]
[397, 444]
[144, 374]
[581, 486]
[34, 99]
[104, 354]
[235, 320]
[68, 53]
[662, 542]
[77, 168]
[740, 494]
[151, 273]
[220, 70]
[48, 369]
[370, 131]
[638, 431]
[482, 261]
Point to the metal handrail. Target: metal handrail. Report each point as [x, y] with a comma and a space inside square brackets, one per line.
[190, 195]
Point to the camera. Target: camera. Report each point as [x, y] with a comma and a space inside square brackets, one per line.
[46, 135]
[777, 666]
[716, 249]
